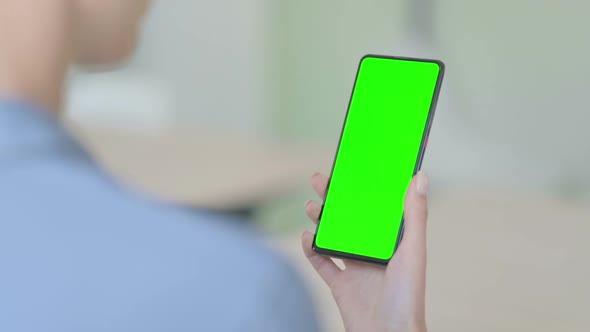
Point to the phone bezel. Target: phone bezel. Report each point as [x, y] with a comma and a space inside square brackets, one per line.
[420, 157]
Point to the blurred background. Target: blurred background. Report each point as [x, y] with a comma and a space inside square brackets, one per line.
[231, 105]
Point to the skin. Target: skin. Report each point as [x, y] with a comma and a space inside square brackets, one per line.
[374, 298]
[39, 40]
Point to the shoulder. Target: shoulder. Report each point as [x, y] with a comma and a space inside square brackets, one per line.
[73, 198]
[143, 264]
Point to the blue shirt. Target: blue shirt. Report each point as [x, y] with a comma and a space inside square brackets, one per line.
[80, 253]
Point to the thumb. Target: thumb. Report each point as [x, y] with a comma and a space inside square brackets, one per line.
[415, 217]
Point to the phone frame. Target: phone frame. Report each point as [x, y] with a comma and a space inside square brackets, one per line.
[420, 157]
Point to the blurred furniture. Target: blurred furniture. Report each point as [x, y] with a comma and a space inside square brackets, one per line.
[202, 166]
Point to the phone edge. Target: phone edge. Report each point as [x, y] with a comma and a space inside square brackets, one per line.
[419, 159]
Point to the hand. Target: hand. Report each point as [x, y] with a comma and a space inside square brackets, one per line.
[372, 298]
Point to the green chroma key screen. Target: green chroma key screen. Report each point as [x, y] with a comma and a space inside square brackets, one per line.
[379, 150]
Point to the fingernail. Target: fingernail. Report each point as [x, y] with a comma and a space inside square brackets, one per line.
[422, 183]
[307, 203]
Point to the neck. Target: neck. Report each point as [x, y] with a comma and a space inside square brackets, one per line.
[35, 47]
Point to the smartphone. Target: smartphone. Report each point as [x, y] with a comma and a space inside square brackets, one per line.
[381, 148]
